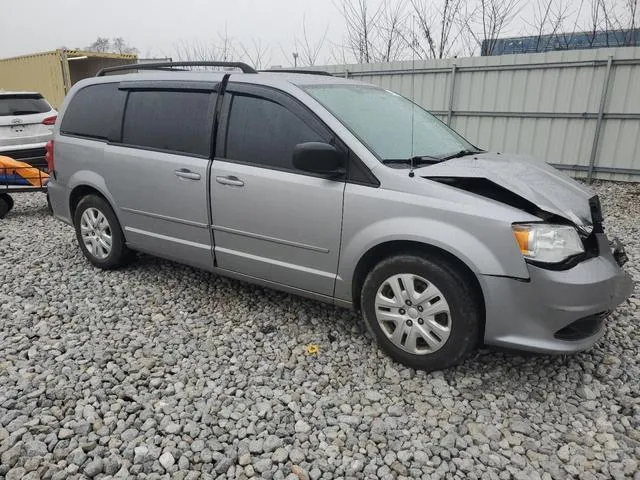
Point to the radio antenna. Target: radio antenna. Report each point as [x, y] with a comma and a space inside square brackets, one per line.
[413, 86]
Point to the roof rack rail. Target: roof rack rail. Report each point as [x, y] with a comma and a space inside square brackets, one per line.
[169, 66]
[297, 70]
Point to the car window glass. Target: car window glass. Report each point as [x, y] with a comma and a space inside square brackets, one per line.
[94, 112]
[264, 132]
[390, 125]
[22, 105]
[177, 121]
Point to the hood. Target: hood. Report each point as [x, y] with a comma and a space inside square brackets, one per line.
[538, 183]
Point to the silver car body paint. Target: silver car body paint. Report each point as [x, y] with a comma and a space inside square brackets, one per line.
[541, 184]
[307, 235]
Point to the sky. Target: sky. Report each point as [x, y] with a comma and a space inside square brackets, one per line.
[156, 26]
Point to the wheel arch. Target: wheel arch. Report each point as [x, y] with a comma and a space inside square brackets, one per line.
[85, 183]
[78, 193]
[387, 249]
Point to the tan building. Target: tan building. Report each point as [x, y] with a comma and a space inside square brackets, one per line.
[53, 73]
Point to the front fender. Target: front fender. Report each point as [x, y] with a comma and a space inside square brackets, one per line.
[495, 254]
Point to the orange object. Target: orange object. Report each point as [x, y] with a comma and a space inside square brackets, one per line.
[10, 168]
[522, 237]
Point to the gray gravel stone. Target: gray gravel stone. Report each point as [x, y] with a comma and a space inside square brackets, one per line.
[94, 468]
[302, 426]
[17, 473]
[262, 465]
[77, 457]
[65, 433]
[244, 459]
[35, 448]
[271, 443]
[280, 455]
[166, 460]
[111, 465]
[296, 455]
[198, 445]
[158, 359]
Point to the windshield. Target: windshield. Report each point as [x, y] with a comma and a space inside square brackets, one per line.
[382, 120]
[22, 104]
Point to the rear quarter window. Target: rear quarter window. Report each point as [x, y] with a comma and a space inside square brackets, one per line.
[95, 112]
[170, 120]
[22, 104]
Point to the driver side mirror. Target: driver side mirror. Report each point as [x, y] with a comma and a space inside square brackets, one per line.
[320, 158]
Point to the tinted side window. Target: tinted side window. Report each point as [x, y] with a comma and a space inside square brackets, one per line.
[177, 121]
[263, 132]
[95, 112]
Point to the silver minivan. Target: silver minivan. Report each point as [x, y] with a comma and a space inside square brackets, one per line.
[339, 191]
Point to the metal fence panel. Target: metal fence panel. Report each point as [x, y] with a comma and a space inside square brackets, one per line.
[546, 104]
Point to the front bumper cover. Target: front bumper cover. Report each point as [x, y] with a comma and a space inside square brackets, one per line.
[528, 315]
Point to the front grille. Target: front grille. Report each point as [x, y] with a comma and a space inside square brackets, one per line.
[582, 328]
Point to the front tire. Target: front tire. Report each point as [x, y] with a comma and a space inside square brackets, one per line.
[99, 234]
[421, 311]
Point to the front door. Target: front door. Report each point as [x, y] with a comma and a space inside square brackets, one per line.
[158, 173]
[271, 221]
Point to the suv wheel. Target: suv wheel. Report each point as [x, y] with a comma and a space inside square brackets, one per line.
[99, 233]
[421, 311]
[6, 204]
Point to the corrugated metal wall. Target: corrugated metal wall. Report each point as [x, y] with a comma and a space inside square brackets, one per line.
[41, 72]
[546, 104]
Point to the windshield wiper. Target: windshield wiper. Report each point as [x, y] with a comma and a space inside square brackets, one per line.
[462, 153]
[417, 160]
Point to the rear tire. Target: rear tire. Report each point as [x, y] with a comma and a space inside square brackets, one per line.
[99, 234]
[6, 204]
[421, 311]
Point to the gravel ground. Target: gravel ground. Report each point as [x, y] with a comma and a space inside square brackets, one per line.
[160, 370]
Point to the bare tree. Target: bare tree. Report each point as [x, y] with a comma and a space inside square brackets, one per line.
[196, 51]
[361, 24]
[633, 20]
[391, 34]
[226, 46]
[439, 26]
[621, 15]
[119, 45]
[223, 50]
[595, 22]
[375, 32]
[548, 22]
[256, 54]
[308, 50]
[105, 45]
[101, 44]
[493, 17]
[339, 55]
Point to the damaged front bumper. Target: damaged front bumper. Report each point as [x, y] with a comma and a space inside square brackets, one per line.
[556, 311]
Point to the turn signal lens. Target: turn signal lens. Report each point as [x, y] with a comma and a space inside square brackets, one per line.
[547, 243]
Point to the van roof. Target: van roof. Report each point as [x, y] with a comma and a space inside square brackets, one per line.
[271, 78]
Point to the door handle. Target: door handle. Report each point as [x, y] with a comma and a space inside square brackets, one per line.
[230, 180]
[184, 173]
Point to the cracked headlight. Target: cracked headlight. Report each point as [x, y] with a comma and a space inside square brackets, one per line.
[547, 243]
